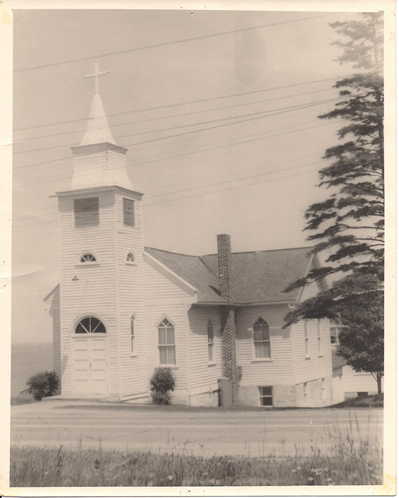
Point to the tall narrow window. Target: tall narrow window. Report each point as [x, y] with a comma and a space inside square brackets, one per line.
[305, 324]
[166, 343]
[87, 212]
[261, 339]
[323, 388]
[319, 337]
[128, 212]
[132, 334]
[266, 396]
[210, 341]
[305, 389]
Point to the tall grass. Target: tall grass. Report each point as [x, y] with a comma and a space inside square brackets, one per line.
[345, 463]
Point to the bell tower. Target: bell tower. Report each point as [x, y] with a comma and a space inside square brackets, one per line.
[101, 268]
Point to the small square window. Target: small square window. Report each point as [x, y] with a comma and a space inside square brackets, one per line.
[266, 395]
[128, 212]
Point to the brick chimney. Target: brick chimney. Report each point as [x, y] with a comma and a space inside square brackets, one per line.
[229, 365]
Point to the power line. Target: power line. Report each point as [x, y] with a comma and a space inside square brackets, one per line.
[186, 103]
[148, 141]
[214, 109]
[231, 188]
[271, 112]
[180, 198]
[194, 150]
[164, 44]
[215, 148]
[200, 187]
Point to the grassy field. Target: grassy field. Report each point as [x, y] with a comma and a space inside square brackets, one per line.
[347, 463]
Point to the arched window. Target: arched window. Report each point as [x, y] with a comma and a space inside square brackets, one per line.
[90, 325]
[261, 339]
[88, 258]
[132, 334]
[166, 343]
[210, 341]
[130, 258]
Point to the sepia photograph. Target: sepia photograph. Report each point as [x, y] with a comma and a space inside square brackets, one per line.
[198, 301]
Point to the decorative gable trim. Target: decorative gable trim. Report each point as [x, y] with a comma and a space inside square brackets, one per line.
[164, 270]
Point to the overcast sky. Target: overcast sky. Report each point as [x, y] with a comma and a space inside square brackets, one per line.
[241, 152]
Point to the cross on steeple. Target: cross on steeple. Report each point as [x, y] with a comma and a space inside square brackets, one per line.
[95, 75]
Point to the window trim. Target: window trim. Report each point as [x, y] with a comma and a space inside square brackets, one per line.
[266, 358]
[169, 365]
[211, 344]
[123, 212]
[89, 334]
[133, 262]
[88, 263]
[132, 335]
[306, 337]
[261, 396]
[74, 212]
[319, 339]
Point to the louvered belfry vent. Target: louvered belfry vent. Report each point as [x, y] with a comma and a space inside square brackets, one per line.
[128, 212]
[87, 213]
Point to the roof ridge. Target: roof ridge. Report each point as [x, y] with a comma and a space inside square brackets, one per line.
[264, 250]
[172, 252]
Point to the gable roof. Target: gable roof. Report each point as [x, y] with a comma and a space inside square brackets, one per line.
[257, 277]
[194, 271]
[262, 276]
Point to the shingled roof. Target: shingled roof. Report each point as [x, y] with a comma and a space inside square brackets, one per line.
[194, 271]
[257, 277]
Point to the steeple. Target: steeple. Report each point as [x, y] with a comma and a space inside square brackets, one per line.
[97, 130]
[98, 161]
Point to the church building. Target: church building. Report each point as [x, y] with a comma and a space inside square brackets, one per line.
[123, 310]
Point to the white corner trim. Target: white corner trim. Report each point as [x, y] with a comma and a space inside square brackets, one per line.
[172, 275]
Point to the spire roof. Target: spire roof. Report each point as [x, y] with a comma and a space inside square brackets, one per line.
[97, 130]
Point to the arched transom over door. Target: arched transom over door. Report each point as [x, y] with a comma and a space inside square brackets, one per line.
[89, 357]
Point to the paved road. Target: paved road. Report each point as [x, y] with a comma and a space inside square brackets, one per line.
[250, 433]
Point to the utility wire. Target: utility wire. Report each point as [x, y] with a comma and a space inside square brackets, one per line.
[266, 113]
[219, 147]
[200, 187]
[194, 150]
[214, 109]
[155, 139]
[164, 44]
[230, 188]
[185, 103]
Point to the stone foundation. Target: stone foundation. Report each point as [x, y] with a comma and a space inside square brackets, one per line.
[205, 399]
[248, 396]
[283, 396]
[315, 396]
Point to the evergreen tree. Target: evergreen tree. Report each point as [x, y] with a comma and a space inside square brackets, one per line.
[350, 222]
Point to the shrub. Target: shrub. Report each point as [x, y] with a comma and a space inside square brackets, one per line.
[162, 382]
[43, 384]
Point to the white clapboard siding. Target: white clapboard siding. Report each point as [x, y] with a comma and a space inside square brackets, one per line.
[94, 291]
[202, 373]
[354, 382]
[316, 366]
[279, 369]
[131, 301]
[165, 299]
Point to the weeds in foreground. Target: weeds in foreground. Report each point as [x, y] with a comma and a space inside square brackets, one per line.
[346, 464]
